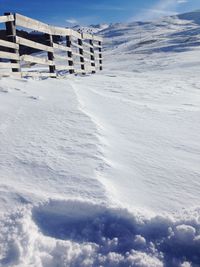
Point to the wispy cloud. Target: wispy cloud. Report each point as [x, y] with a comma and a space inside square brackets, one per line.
[72, 21]
[83, 20]
[161, 8]
[105, 7]
[182, 1]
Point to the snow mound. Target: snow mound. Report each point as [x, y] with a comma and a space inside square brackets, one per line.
[76, 233]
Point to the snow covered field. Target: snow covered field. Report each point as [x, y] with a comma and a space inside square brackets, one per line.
[104, 170]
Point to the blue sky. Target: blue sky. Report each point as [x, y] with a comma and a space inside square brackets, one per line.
[65, 12]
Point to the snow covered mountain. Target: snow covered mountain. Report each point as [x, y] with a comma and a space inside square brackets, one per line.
[104, 170]
[159, 39]
[91, 28]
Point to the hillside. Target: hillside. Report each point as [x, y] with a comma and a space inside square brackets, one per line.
[155, 44]
[103, 170]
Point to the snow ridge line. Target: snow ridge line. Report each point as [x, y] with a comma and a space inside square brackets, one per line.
[106, 164]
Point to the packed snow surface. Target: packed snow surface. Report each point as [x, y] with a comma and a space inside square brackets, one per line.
[104, 170]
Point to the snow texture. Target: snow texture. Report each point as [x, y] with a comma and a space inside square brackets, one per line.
[103, 170]
[76, 233]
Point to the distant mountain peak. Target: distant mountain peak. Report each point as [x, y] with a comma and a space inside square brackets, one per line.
[91, 28]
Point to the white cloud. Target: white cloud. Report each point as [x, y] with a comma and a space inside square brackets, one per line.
[72, 21]
[161, 8]
[182, 1]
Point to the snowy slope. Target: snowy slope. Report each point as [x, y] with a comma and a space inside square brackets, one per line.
[151, 133]
[152, 44]
[35, 144]
[104, 170]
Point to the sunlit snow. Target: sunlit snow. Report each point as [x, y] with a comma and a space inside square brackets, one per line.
[104, 169]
